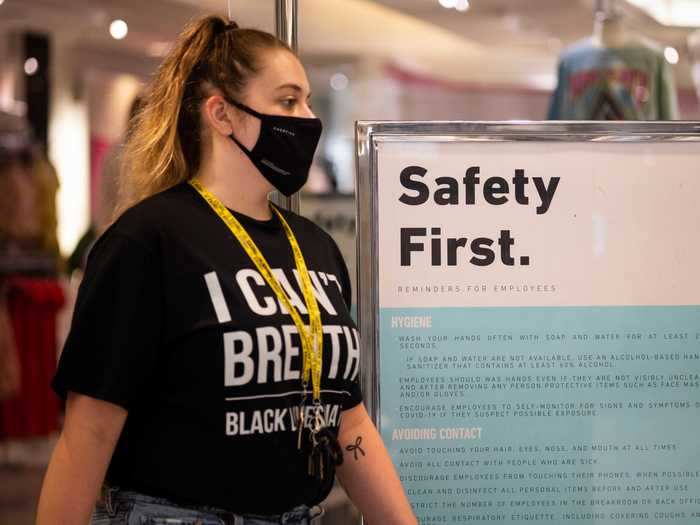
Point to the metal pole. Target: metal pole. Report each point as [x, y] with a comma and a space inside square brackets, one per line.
[286, 30]
[607, 9]
[286, 22]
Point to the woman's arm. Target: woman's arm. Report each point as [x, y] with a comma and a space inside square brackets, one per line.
[79, 461]
[367, 473]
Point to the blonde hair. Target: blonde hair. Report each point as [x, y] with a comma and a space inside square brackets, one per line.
[163, 146]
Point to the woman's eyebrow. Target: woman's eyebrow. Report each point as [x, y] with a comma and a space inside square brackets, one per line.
[295, 87]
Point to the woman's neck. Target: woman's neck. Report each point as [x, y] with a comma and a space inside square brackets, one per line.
[238, 185]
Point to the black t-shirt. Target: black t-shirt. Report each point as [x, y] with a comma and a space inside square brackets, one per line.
[174, 323]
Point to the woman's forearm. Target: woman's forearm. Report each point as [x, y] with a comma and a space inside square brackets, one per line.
[79, 462]
[367, 473]
[67, 497]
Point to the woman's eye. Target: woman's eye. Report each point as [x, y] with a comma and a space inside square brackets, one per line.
[289, 102]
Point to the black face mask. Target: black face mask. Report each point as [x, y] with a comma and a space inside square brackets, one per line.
[284, 150]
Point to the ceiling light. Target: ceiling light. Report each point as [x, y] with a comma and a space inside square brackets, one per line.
[31, 66]
[462, 5]
[671, 54]
[118, 29]
[2, 2]
[339, 82]
[448, 4]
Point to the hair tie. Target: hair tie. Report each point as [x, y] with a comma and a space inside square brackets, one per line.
[230, 26]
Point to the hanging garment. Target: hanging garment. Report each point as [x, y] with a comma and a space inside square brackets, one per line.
[9, 361]
[46, 181]
[626, 83]
[32, 306]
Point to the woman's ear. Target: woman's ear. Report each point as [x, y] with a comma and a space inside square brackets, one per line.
[219, 114]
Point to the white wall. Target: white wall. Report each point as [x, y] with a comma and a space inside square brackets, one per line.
[69, 144]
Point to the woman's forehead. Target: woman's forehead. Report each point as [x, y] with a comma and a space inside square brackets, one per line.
[282, 70]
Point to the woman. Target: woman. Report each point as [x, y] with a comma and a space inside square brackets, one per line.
[211, 373]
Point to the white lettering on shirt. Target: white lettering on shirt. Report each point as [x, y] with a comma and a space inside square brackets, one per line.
[269, 353]
[334, 332]
[243, 278]
[319, 292]
[291, 351]
[217, 297]
[248, 279]
[278, 350]
[291, 293]
[265, 421]
[330, 415]
[353, 362]
[234, 356]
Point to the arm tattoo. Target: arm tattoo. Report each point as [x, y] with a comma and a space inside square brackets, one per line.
[354, 448]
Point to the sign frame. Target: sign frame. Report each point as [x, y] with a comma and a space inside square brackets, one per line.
[369, 134]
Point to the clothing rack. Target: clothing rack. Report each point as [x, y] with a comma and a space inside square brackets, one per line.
[607, 10]
[27, 265]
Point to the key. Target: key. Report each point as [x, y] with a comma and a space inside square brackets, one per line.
[300, 425]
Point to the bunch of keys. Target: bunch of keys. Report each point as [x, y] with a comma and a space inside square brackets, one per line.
[325, 449]
[319, 445]
[318, 422]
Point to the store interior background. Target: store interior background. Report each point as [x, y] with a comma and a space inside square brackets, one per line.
[366, 60]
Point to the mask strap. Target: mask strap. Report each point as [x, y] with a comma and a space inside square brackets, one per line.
[245, 150]
[250, 111]
[245, 108]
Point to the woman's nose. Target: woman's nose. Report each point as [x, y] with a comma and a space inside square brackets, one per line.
[307, 112]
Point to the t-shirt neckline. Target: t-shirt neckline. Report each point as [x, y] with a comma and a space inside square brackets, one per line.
[272, 224]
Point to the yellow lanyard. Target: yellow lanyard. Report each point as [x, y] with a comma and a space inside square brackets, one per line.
[311, 339]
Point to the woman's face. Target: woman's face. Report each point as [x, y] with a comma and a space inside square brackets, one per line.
[281, 88]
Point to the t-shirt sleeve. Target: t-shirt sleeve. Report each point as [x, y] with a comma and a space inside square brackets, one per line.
[344, 275]
[355, 397]
[355, 390]
[112, 347]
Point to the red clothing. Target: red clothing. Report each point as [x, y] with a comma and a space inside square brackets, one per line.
[33, 304]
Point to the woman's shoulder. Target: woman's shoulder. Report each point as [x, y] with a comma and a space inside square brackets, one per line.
[317, 242]
[155, 214]
[145, 231]
[314, 238]
[305, 228]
